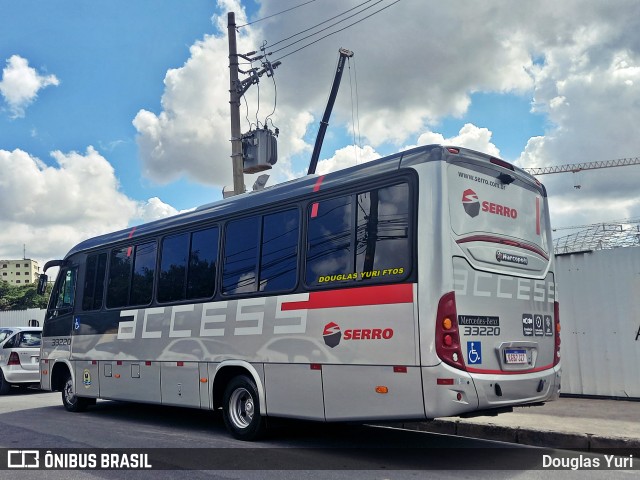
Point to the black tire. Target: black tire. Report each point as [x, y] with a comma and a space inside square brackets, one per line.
[241, 409]
[4, 385]
[71, 402]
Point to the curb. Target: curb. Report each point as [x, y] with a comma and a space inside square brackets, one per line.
[523, 436]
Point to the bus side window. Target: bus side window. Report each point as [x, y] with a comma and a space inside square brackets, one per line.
[94, 282]
[279, 253]
[329, 249]
[173, 267]
[188, 266]
[274, 268]
[203, 255]
[119, 277]
[380, 250]
[241, 256]
[144, 269]
[382, 234]
[131, 275]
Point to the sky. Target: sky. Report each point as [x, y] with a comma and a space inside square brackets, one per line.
[114, 113]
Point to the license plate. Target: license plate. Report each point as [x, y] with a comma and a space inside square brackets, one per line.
[515, 356]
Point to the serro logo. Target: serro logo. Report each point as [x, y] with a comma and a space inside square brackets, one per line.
[470, 203]
[498, 209]
[332, 334]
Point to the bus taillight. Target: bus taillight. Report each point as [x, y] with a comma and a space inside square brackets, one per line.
[501, 163]
[556, 316]
[447, 337]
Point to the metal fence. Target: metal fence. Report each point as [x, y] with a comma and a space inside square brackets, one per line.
[21, 318]
[600, 317]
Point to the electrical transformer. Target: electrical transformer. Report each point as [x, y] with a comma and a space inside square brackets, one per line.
[259, 150]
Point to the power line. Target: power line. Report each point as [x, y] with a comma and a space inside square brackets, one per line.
[318, 24]
[337, 31]
[275, 104]
[275, 14]
[326, 28]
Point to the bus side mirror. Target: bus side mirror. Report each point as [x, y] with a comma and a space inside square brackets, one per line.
[42, 284]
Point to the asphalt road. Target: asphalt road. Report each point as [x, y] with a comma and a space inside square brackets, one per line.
[175, 438]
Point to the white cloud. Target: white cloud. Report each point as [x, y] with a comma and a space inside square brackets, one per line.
[51, 208]
[586, 88]
[191, 135]
[469, 136]
[348, 156]
[21, 83]
[154, 209]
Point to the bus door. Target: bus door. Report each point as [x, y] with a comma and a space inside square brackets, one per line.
[59, 321]
[503, 280]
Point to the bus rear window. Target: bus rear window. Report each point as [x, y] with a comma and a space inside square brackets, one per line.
[479, 203]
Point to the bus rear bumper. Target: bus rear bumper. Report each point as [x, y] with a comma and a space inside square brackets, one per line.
[451, 392]
[495, 391]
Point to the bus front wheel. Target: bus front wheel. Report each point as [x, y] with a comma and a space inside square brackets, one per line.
[70, 400]
[241, 409]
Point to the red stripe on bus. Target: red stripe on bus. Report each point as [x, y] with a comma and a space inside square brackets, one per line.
[537, 216]
[509, 372]
[316, 187]
[130, 249]
[355, 297]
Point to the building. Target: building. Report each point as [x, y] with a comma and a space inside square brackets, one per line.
[19, 272]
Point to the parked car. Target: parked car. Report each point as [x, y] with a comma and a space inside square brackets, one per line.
[19, 357]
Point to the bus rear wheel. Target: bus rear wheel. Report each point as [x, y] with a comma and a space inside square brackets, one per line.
[70, 400]
[241, 409]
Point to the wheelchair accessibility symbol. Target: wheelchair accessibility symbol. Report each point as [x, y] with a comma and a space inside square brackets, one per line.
[474, 353]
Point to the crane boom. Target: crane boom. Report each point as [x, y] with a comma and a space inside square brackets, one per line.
[577, 167]
[324, 123]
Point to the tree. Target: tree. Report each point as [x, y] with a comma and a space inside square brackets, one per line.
[21, 297]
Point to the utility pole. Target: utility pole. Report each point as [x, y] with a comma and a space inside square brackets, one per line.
[234, 103]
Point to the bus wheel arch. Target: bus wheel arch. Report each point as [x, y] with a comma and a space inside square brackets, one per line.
[225, 372]
[59, 374]
[62, 380]
[237, 389]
